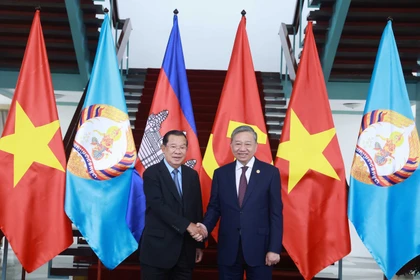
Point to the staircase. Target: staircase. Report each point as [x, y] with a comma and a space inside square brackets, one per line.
[205, 88]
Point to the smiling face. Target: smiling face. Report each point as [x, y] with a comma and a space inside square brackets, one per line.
[175, 150]
[243, 146]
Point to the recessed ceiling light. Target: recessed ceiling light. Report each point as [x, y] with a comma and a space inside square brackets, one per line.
[352, 105]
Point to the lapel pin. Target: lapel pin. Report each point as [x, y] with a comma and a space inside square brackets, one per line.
[258, 171]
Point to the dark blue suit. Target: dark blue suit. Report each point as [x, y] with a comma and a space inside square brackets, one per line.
[258, 224]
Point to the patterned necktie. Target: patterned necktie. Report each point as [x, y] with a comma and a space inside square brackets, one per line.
[175, 172]
[242, 186]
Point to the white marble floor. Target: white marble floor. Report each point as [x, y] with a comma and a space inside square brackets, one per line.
[359, 269]
[14, 269]
[353, 269]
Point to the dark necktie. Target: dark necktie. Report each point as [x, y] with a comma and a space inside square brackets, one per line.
[242, 186]
[178, 187]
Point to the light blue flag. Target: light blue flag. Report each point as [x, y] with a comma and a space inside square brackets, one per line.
[101, 163]
[384, 200]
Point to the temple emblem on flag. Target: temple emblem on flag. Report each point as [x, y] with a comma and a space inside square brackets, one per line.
[103, 148]
[150, 151]
[388, 149]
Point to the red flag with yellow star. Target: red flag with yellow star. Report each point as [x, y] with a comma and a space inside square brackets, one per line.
[316, 230]
[239, 105]
[33, 163]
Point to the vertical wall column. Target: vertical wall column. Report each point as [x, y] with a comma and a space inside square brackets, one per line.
[337, 21]
[78, 32]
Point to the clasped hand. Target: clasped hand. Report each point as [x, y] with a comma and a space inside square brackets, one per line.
[197, 231]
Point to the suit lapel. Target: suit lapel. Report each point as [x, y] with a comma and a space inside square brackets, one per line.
[253, 180]
[186, 184]
[169, 182]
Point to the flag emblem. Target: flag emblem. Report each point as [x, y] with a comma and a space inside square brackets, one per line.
[388, 149]
[104, 147]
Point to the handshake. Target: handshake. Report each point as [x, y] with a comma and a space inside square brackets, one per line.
[197, 231]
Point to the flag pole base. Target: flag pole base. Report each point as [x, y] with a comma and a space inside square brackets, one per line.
[23, 274]
[340, 269]
[4, 266]
[99, 276]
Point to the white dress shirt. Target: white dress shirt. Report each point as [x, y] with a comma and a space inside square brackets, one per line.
[238, 172]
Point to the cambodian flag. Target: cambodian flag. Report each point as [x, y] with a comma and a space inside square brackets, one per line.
[171, 108]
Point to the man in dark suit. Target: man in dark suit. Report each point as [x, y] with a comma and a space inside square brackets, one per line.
[245, 194]
[173, 206]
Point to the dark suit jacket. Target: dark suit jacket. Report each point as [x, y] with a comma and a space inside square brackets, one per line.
[259, 222]
[167, 216]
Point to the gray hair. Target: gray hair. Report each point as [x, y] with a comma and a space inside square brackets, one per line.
[243, 128]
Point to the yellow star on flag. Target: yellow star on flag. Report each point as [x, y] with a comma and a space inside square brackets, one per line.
[304, 151]
[29, 144]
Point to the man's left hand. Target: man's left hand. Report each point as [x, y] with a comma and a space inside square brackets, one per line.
[198, 255]
[272, 258]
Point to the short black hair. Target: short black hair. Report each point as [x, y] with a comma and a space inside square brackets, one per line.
[173, 132]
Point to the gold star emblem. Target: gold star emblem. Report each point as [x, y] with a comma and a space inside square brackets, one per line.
[29, 144]
[304, 151]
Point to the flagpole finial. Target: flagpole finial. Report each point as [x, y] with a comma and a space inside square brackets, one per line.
[106, 10]
[243, 13]
[38, 8]
[389, 19]
[176, 12]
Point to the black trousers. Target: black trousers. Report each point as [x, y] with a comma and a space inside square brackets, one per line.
[181, 271]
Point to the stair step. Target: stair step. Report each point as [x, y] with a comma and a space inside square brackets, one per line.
[274, 131]
[135, 81]
[131, 97]
[276, 104]
[274, 94]
[272, 90]
[272, 85]
[131, 109]
[274, 97]
[202, 90]
[127, 85]
[133, 89]
[137, 71]
[281, 110]
[132, 104]
[195, 99]
[275, 122]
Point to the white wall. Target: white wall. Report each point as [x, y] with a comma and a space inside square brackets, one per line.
[207, 31]
[65, 114]
[347, 127]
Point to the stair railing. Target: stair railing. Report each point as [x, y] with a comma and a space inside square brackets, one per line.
[288, 47]
[288, 53]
